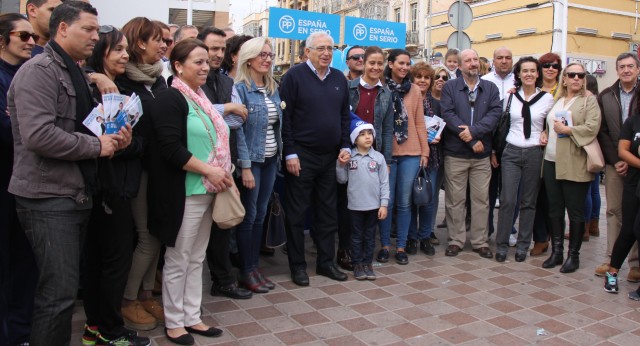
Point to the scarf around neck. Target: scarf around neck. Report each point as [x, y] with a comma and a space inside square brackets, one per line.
[400, 115]
[219, 155]
[84, 105]
[144, 73]
[526, 111]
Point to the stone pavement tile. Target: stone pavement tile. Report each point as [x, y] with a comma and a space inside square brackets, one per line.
[264, 312]
[280, 297]
[246, 330]
[575, 320]
[334, 289]
[375, 294]
[545, 296]
[327, 331]
[256, 301]
[412, 313]
[310, 318]
[458, 318]
[378, 336]
[406, 330]
[483, 312]
[349, 298]
[433, 324]
[279, 324]
[554, 326]
[368, 308]
[549, 310]
[221, 306]
[481, 329]
[262, 340]
[345, 340]
[463, 289]
[383, 281]
[307, 293]
[602, 330]
[438, 308]
[626, 339]
[465, 277]
[507, 339]
[399, 289]
[461, 302]
[504, 292]
[505, 306]
[340, 313]
[580, 337]
[528, 316]
[294, 337]
[322, 303]
[455, 335]
[232, 317]
[505, 322]
[393, 303]
[357, 324]
[422, 285]
[385, 319]
[417, 298]
[594, 314]
[293, 308]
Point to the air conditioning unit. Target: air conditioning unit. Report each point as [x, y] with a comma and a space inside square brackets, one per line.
[621, 35]
[527, 31]
[495, 36]
[587, 31]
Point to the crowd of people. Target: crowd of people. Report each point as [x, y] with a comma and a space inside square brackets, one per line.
[107, 213]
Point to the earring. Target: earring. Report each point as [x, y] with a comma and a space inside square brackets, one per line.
[248, 64]
[144, 48]
[180, 73]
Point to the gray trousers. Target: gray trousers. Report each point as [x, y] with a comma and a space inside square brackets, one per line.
[520, 168]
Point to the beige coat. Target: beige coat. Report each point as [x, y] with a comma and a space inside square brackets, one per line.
[571, 159]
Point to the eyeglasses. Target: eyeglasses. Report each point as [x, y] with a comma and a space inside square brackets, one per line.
[265, 55]
[554, 66]
[322, 49]
[356, 57]
[167, 41]
[443, 77]
[472, 98]
[25, 35]
[573, 75]
[105, 29]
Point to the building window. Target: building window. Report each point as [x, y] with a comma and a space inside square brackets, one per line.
[414, 17]
[396, 14]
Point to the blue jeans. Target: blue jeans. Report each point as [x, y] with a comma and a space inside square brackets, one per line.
[363, 231]
[403, 171]
[255, 201]
[56, 236]
[423, 217]
[592, 203]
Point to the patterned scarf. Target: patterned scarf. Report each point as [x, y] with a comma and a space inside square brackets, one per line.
[400, 115]
[144, 73]
[220, 155]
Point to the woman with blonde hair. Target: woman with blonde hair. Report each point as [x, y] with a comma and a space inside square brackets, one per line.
[259, 147]
[565, 173]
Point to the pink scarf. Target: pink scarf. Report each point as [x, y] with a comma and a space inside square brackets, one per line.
[220, 155]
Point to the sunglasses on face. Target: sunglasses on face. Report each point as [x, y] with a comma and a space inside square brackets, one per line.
[167, 41]
[554, 66]
[573, 75]
[443, 77]
[356, 57]
[25, 35]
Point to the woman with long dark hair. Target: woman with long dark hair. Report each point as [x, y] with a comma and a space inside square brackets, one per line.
[410, 150]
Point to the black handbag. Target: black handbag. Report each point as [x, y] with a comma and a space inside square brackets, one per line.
[275, 232]
[500, 135]
[422, 193]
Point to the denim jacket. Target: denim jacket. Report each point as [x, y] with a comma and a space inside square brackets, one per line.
[253, 133]
[382, 117]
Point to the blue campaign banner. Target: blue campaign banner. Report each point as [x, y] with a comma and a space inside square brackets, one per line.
[369, 32]
[298, 25]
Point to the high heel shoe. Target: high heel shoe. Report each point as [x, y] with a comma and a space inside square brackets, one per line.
[251, 282]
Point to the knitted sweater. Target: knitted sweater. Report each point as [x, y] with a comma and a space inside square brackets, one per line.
[416, 143]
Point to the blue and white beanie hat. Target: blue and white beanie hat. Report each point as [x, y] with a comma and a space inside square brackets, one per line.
[358, 125]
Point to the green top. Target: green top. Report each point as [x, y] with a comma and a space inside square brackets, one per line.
[199, 144]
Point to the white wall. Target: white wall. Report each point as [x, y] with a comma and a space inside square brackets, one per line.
[119, 12]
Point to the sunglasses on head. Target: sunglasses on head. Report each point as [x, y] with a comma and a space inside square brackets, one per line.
[356, 57]
[573, 75]
[554, 66]
[443, 77]
[105, 29]
[25, 35]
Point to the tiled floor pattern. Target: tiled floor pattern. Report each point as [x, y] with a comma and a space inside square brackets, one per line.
[439, 300]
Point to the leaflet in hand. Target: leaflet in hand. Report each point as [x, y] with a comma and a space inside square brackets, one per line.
[567, 120]
[115, 112]
[434, 125]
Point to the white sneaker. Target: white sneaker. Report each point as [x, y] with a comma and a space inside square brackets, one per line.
[513, 239]
[497, 205]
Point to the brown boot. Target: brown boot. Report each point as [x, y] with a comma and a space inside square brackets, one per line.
[153, 307]
[136, 317]
[585, 236]
[539, 248]
[594, 228]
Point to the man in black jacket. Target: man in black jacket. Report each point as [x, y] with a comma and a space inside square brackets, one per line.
[220, 91]
[617, 103]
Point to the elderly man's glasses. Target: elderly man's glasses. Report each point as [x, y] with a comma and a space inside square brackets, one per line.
[322, 49]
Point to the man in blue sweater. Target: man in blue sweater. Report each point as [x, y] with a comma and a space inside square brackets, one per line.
[315, 131]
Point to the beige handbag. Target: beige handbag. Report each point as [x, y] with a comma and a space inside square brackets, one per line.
[595, 159]
[228, 210]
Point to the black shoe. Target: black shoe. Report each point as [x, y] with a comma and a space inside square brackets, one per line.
[383, 256]
[412, 247]
[402, 258]
[131, 339]
[184, 339]
[267, 251]
[230, 291]
[427, 248]
[344, 259]
[452, 250]
[251, 282]
[484, 252]
[300, 277]
[212, 332]
[331, 272]
[520, 257]
[501, 257]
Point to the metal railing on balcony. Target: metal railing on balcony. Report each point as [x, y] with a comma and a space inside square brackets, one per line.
[413, 37]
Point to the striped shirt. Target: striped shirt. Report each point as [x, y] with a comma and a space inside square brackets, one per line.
[271, 146]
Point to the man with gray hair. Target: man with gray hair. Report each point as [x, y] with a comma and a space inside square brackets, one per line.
[185, 31]
[471, 108]
[315, 131]
[617, 103]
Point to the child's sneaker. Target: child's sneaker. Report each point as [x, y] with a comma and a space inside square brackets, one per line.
[358, 272]
[90, 335]
[611, 283]
[130, 339]
[368, 271]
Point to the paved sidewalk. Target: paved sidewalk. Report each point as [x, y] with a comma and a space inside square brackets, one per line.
[439, 300]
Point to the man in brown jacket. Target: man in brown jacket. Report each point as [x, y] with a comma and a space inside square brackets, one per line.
[617, 103]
